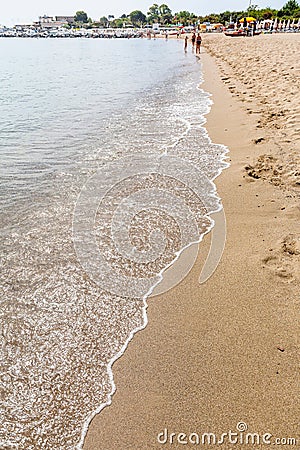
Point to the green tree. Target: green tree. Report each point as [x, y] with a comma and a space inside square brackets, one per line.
[290, 9]
[137, 18]
[153, 13]
[212, 18]
[252, 8]
[117, 23]
[165, 14]
[103, 21]
[226, 15]
[291, 5]
[81, 16]
[184, 17]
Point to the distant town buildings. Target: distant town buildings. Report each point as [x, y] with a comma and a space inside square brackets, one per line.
[68, 19]
[45, 19]
[47, 22]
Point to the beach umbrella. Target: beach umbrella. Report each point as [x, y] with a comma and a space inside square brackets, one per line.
[280, 25]
[248, 19]
[298, 24]
[288, 24]
[283, 25]
[275, 24]
[293, 24]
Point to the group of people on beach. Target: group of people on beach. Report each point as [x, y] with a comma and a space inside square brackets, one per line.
[196, 41]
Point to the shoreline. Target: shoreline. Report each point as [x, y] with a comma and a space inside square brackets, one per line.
[209, 356]
[187, 253]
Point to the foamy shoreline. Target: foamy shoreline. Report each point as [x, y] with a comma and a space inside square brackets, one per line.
[173, 267]
[226, 351]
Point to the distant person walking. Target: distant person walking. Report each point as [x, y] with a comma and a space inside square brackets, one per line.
[186, 44]
[198, 44]
[193, 40]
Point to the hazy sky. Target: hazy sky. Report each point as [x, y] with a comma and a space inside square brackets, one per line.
[25, 11]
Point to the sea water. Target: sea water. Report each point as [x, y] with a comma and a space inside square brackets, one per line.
[127, 112]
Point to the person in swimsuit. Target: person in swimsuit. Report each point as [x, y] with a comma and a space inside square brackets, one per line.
[193, 40]
[198, 44]
[186, 44]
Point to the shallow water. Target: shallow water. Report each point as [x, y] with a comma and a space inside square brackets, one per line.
[72, 110]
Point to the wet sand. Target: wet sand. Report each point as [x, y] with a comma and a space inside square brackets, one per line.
[227, 351]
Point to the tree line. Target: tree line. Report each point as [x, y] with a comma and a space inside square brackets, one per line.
[163, 15]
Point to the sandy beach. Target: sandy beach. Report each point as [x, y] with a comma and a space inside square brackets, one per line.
[227, 351]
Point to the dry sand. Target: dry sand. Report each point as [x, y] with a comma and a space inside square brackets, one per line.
[264, 73]
[227, 351]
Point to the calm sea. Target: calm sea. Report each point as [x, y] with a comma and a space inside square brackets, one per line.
[71, 109]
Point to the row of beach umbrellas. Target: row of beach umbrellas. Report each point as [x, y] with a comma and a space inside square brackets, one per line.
[274, 24]
[280, 25]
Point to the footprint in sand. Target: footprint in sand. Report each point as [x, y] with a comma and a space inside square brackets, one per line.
[284, 260]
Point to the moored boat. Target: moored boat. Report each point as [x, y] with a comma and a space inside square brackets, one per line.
[234, 33]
